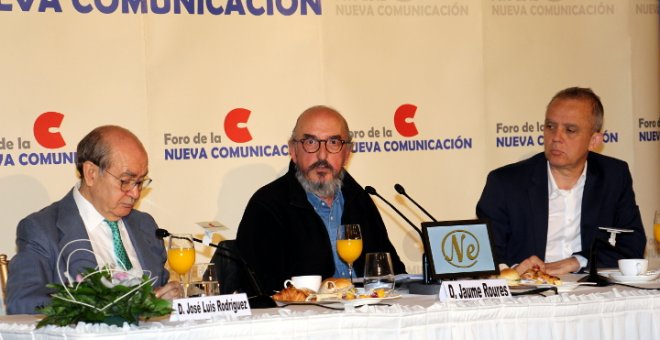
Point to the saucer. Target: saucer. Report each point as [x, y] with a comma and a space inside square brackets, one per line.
[649, 276]
[562, 288]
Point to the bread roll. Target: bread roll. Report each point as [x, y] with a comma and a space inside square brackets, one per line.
[511, 276]
[335, 285]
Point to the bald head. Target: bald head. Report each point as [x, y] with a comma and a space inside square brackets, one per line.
[99, 145]
[320, 114]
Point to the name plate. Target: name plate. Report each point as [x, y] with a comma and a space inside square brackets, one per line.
[474, 290]
[206, 307]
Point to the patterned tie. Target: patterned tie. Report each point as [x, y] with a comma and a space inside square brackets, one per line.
[120, 251]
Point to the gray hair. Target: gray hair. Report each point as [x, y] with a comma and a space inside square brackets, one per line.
[95, 148]
[581, 93]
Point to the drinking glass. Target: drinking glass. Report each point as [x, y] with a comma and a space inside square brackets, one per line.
[203, 280]
[349, 244]
[378, 274]
[181, 257]
[656, 226]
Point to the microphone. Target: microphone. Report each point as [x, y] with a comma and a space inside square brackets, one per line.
[371, 191]
[426, 277]
[260, 300]
[162, 233]
[402, 191]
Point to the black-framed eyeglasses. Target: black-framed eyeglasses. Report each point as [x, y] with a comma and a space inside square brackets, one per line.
[127, 185]
[312, 145]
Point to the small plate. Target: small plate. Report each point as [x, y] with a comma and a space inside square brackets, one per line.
[369, 301]
[326, 302]
[562, 288]
[569, 286]
[354, 302]
[649, 276]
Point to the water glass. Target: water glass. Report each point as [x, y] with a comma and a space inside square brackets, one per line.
[204, 280]
[378, 273]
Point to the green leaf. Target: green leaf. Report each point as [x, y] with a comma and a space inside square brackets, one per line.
[140, 303]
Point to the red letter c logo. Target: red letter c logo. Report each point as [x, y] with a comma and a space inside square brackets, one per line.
[403, 120]
[42, 130]
[236, 117]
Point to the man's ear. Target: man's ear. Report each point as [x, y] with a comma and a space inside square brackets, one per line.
[596, 141]
[292, 152]
[90, 173]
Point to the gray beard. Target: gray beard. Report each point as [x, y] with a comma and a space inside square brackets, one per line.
[322, 189]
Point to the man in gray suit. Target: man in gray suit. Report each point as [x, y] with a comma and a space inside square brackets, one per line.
[93, 225]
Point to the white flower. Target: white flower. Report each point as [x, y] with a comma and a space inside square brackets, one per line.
[129, 278]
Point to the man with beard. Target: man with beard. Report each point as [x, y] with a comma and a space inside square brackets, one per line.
[289, 227]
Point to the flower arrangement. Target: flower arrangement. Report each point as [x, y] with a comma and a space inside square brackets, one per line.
[104, 296]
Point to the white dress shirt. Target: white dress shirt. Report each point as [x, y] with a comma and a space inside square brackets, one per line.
[100, 234]
[564, 216]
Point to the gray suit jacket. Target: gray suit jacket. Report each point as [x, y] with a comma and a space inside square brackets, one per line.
[40, 237]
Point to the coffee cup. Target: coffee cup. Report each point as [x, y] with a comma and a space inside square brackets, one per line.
[312, 282]
[633, 267]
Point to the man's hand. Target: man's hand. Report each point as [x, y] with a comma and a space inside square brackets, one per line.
[565, 266]
[529, 263]
[172, 290]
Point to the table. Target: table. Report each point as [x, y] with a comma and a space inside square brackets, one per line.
[585, 313]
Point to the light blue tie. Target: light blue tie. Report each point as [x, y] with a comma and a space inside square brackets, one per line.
[120, 251]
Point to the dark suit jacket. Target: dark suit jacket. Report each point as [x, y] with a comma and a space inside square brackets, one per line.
[515, 199]
[280, 234]
[41, 236]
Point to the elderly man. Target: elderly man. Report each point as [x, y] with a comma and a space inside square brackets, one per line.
[546, 210]
[289, 227]
[113, 165]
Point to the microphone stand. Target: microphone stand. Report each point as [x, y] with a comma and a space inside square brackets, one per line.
[399, 188]
[260, 300]
[425, 260]
[427, 287]
[593, 276]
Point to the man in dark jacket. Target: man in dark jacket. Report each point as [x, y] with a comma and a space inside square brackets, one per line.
[546, 210]
[289, 227]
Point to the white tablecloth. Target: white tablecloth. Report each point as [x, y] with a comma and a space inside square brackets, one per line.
[586, 313]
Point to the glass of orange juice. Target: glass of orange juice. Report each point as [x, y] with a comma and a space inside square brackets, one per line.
[349, 244]
[181, 257]
[656, 226]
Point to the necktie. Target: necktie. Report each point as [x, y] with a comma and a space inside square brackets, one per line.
[120, 251]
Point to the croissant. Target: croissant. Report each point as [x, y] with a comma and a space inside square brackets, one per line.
[540, 277]
[292, 293]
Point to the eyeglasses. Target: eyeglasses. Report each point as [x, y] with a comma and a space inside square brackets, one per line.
[127, 185]
[312, 145]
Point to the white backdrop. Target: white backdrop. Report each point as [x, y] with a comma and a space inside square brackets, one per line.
[466, 66]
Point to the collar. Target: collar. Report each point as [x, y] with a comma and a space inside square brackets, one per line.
[317, 202]
[90, 216]
[553, 189]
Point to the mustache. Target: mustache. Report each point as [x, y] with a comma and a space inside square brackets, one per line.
[319, 164]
